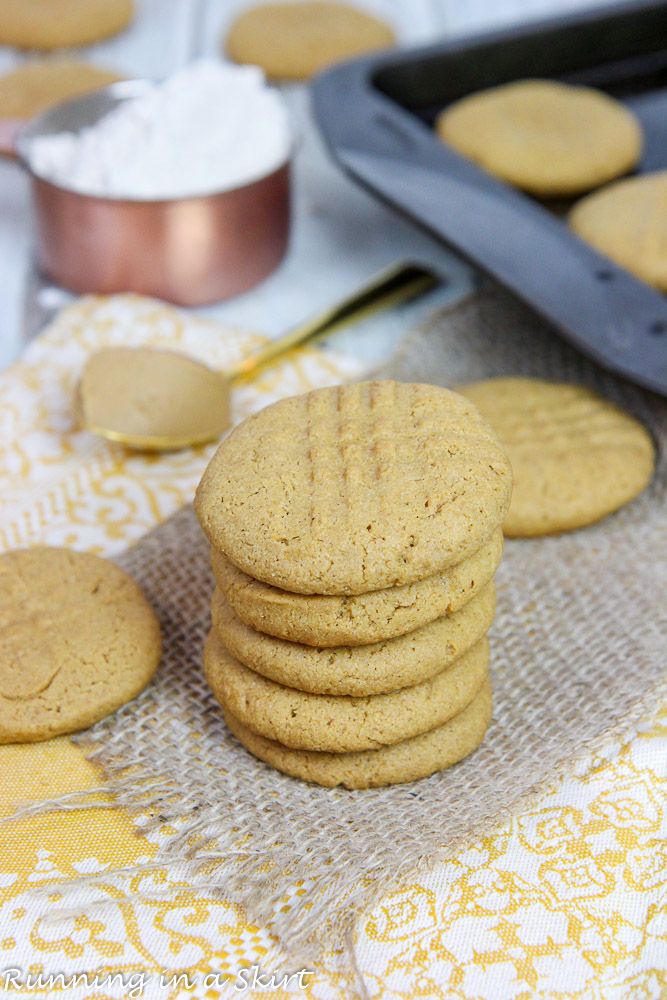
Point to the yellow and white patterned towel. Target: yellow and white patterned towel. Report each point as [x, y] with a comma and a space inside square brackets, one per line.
[568, 901]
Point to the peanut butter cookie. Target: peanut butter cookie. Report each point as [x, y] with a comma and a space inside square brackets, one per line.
[342, 724]
[391, 765]
[37, 86]
[357, 670]
[627, 221]
[322, 620]
[355, 488]
[293, 41]
[551, 139]
[575, 456]
[55, 24]
[77, 640]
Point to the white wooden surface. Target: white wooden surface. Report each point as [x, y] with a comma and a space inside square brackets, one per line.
[340, 234]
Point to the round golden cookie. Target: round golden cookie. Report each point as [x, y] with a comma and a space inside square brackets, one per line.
[357, 670]
[36, 86]
[627, 221]
[340, 724]
[293, 41]
[77, 640]
[391, 765]
[575, 456]
[55, 24]
[549, 138]
[324, 620]
[355, 488]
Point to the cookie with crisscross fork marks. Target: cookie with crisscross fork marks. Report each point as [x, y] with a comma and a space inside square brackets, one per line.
[575, 456]
[354, 488]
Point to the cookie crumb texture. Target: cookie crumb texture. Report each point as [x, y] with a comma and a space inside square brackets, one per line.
[331, 620]
[357, 670]
[401, 762]
[341, 724]
[54, 24]
[355, 488]
[575, 456]
[77, 640]
[549, 138]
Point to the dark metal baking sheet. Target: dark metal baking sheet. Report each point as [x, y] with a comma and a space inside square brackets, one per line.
[376, 116]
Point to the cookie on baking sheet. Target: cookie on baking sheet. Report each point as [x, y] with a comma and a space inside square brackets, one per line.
[36, 86]
[55, 24]
[342, 724]
[627, 221]
[549, 138]
[355, 488]
[575, 456]
[357, 670]
[391, 765]
[322, 620]
[295, 40]
[77, 640]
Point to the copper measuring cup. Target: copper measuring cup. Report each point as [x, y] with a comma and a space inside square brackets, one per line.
[190, 251]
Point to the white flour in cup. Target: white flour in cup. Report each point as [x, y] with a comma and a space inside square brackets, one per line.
[210, 127]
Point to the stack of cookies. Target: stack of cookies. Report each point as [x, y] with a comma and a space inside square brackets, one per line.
[355, 533]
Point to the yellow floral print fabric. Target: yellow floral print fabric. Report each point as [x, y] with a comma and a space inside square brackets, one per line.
[568, 900]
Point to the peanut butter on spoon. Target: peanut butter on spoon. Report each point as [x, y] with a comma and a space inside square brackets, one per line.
[157, 400]
[152, 399]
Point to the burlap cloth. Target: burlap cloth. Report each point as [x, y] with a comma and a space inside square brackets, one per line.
[578, 654]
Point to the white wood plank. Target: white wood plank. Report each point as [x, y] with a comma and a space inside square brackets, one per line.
[158, 41]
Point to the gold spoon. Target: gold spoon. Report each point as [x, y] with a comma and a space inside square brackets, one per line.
[157, 400]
